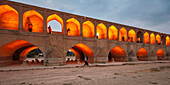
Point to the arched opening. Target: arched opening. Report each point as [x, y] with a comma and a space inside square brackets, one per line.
[152, 39]
[167, 40]
[72, 27]
[140, 37]
[101, 31]
[113, 33]
[146, 38]
[131, 36]
[54, 24]
[163, 40]
[142, 55]
[123, 34]
[78, 53]
[160, 54]
[16, 52]
[158, 39]
[9, 18]
[33, 21]
[117, 54]
[88, 29]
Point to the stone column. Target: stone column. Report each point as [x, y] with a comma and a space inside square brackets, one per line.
[20, 18]
[45, 22]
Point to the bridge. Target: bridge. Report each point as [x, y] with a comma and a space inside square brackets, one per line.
[24, 28]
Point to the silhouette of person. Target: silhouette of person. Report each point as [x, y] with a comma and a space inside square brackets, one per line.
[50, 30]
[86, 61]
[28, 25]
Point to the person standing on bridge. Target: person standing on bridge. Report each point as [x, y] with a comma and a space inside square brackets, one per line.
[86, 61]
[49, 28]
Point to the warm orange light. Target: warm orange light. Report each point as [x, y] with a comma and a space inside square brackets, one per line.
[167, 40]
[9, 18]
[8, 49]
[72, 27]
[158, 38]
[24, 53]
[160, 54]
[86, 50]
[152, 39]
[142, 54]
[36, 19]
[88, 29]
[57, 18]
[138, 39]
[102, 31]
[146, 37]
[122, 34]
[118, 54]
[132, 36]
[113, 33]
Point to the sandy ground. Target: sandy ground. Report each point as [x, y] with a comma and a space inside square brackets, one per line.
[142, 74]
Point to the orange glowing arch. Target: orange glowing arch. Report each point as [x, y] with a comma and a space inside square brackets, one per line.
[72, 27]
[85, 49]
[152, 39]
[167, 40]
[101, 31]
[57, 18]
[8, 49]
[9, 18]
[35, 18]
[122, 34]
[132, 36]
[113, 33]
[88, 29]
[142, 54]
[160, 54]
[158, 39]
[24, 53]
[118, 54]
[146, 37]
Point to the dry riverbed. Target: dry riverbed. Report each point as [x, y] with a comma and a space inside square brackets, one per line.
[142, 74]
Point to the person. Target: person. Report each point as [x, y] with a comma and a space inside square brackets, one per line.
[49, 28]
[86, 61]
[29, 24]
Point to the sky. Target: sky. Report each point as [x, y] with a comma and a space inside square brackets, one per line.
[146, 14]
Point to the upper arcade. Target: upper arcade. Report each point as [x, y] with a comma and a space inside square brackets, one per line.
[28, 18]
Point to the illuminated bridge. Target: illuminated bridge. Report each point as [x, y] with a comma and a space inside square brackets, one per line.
[24, 28]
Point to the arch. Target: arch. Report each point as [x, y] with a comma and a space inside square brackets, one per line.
[146, 37]
[9, 18]
[142, 55]
[15, 51]
[163, 40]
[72, 27]
[113, 33]
[81, 50]
[139, 37]
[167, 40]
[33, 18]
[131, 36]
[122, 34]
[118, 54]
[58, 19]
[88, 29]
[101, 31]
[152, 39]
[158, 39]
[160, 54]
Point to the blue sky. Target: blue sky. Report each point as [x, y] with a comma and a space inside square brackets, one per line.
[147, 14]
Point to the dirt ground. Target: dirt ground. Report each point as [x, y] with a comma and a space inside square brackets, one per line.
[142, 74]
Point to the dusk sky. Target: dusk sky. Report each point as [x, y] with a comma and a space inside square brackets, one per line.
[146, 14]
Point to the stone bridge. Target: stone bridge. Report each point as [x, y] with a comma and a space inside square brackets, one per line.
[102, 41]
